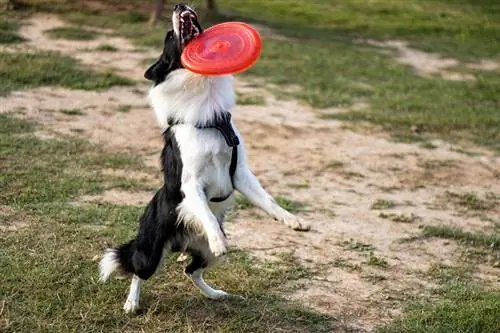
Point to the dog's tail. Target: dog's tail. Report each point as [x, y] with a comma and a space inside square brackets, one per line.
[120, 257]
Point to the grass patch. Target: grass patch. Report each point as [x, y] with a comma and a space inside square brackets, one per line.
[399, 218]
[471, 201]
[8, 32]
[106, 48]
[351, 244]
[71, 33]
[383, 204]
[292, 206]
[124, 108]
[347, 266]
[373, 260]
[23, 71]
[457, 305]
[73, 112]
[250, 99]
[473, 238]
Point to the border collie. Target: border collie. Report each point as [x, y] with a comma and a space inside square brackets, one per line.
[203, 162]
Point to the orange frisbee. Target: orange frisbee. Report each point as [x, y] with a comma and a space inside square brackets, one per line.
[226, 48]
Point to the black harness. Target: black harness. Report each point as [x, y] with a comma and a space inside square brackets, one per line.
[223, 125]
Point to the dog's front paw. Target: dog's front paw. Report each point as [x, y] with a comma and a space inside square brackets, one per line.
[131, 306]
[218, 245]
[296, 223]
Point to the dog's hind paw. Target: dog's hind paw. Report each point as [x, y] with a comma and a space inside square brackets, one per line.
[296, 223]
[131, 306]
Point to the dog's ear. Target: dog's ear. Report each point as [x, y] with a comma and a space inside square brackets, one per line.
[157, 71]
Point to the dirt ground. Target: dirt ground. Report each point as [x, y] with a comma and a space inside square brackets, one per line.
[336, 170]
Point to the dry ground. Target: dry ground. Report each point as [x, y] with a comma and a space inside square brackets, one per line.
[366, 264]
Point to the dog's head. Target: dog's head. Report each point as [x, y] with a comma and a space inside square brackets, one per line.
[185, 28]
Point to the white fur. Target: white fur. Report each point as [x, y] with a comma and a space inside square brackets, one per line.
[108, 264]
[191, 98]
[132, 303]
[209, 292]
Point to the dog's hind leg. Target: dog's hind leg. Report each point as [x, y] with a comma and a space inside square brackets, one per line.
[195, 271]
[132, 303]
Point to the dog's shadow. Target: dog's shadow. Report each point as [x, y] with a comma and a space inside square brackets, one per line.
[249, 313]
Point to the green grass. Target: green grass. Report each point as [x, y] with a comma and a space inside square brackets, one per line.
[292, 206]
[244, 99]
[383, 204]
[73, 112]
[49, 281]
[373, 260]
[124, 108]
[399, 218]
[351, 244]
[471, 201]
[8, 32]
[22, 71]
[457, 305]
[491, 240]
[72, 33]
[107, 48]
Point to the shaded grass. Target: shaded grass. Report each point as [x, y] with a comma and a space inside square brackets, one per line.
[71, 33]
[8, 32]
[22, 71]
[473, 238]
[73, 112]
[457, 305]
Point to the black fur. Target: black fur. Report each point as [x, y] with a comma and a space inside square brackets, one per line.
[169, 60]
[158, 224]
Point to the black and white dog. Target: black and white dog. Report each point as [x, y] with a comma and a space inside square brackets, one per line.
[203, 162]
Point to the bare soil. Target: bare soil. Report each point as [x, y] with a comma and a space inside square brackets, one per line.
[338, 173]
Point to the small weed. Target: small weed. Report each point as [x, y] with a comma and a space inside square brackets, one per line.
[347, 266]
[251, 99]
[73, 112]
[124, 108]
[474, 238]
[242, 202]
[383, 204]
[437, 164]
[351, 174]
[428, 145]
[302, 185]
[351, 244]
[107, 48]
[373, 260]
[290, 205]
[399, 218]
[471, 201]
[373, 277]
[71, 33]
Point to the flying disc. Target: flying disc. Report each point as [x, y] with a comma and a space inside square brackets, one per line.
[226, 48]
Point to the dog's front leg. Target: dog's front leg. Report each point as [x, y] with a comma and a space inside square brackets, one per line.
[194, 209]
[246, 182]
